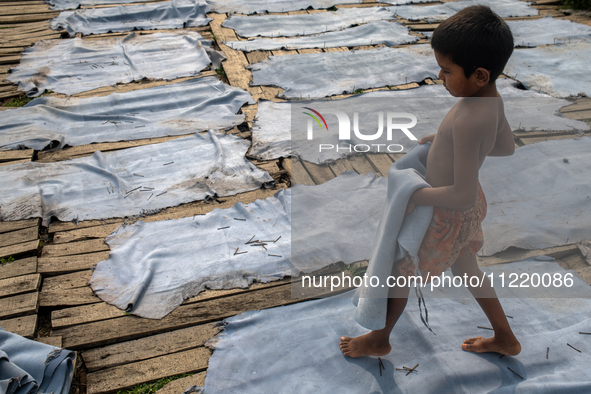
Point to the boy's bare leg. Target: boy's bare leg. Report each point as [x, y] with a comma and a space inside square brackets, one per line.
[377, 342]
[504, 340]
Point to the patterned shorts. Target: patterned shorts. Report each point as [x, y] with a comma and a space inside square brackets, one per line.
[451, 234]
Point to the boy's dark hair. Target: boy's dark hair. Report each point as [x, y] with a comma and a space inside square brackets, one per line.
[475, 37]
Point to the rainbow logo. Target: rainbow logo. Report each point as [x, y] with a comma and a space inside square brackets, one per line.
[315, 118]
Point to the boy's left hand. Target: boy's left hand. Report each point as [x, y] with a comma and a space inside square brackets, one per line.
[410, 207]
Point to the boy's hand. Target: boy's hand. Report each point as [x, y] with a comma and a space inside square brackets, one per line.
[426, 139]
[410, 207]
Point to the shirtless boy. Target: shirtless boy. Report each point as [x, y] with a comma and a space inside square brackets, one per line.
[471, 48]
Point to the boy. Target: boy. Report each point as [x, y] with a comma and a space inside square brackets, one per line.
[472, 48]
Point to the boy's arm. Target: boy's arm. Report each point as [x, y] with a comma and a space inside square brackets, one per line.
[505, 142]
[468, 133]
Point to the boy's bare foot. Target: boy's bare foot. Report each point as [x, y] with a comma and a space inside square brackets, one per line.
[483, 345]
[364, 346]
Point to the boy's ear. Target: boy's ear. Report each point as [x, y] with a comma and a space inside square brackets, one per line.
[481, 76]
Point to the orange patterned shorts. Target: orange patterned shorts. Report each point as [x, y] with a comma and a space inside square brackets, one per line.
[451, 234]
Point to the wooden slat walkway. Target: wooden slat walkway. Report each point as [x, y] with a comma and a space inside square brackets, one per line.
[120, 350]
[19, 279]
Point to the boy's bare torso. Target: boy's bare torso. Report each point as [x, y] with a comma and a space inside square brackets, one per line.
[491, 122]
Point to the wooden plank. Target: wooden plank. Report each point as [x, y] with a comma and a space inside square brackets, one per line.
[534, 134]
[235, 64]
[55, 227]
[271, 93]
[270, 166]
[182, 384]
[20, 305]
[309, 50]
[423, 27]
[582, 104]
[67, 290]
[66, 298]
[363, 5]
[9, 163]
[575, 261]
[411, 85]
[14, 93]
[250, 112]
[10, 155]
[83, 234]
[130, 327]
[82, 247]
[148, 347]
[28, 18]
[7, 88]
[19, 236]
[357, 163]
[341, 166]
[366, 47]
[528, 141]
[18, 267]
[256, 92]
[53, 341]
[19, 285]
[26, 31]
[319, 173]
[102, 311]
[18, 249]
[25, 9]
[19, 224]
[126, 376]
[257, 56]
[382, 162]
[24, 326]
[299, 175]
[87, 150]
[282, 53]
[515, 254]
[66, 264]
[66, 282]
[84, 314]
[578, 115]
[32, 37]
[26, 42]
[336, 49]
[27, 27]
[6, 3]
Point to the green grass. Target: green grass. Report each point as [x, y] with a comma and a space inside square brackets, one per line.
[6, 27]
[151, 388]
[356, 271]
[6, 260]
[576, 4]
[220, 71]
[23, 100]
[18, 101]
[333, 8]
[358, 91]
